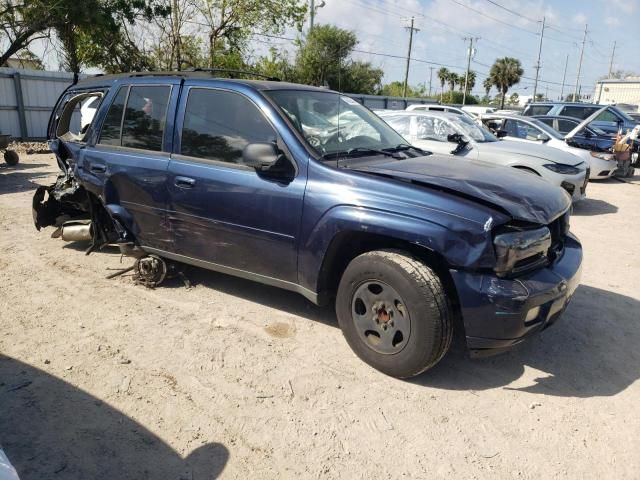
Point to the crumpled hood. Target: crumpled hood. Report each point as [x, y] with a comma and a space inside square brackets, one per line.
[541, 151]
[522, 195]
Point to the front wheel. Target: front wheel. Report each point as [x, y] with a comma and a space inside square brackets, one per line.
[393, 312]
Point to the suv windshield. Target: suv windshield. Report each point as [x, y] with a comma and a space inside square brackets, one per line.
[471, 129]
[332, 123]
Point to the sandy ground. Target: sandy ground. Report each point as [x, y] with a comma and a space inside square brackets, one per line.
[103, 379]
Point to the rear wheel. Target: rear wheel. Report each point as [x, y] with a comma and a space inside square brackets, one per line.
[11, 157]
[394, 313]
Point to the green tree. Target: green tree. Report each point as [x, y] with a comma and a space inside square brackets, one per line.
[82, 27]
[487, 85]
[452, 79]
[505, 73]
[394, 89]
[514, 99]
[443, 76]
[323, 59]
[471, 81]
[230, 23]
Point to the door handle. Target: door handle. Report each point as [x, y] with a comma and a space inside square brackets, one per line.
[184, 182]
[97, 168]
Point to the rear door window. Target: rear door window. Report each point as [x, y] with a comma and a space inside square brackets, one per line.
[519, 129]
[141, 123]
[219, 124]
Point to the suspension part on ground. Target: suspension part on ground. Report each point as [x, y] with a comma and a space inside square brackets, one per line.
[150, 271]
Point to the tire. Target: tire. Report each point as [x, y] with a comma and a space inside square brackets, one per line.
[371, 312]
[11, 157]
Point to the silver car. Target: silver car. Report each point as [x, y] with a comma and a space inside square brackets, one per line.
[531, 130]
[446, 133]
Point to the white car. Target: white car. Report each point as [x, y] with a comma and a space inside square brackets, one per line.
[531, 130]
[429, 107]
[446, 133]
[7, 472]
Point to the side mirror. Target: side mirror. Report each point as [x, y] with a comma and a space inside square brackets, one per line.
[501, 133]
[454, 138]
[543, 138]
[261, 156]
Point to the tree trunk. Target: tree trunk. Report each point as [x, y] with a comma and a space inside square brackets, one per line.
[176, 34]
[504, 94]
[18, 44]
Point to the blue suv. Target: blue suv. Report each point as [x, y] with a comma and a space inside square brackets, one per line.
[305, 189]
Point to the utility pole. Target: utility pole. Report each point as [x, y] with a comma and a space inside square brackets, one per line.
[584, 39]
[611, 62]
[466, 75]
[564, 77]
[430, 78]
[176, 34]
[535, 85]
[406, 73]
[312, 13]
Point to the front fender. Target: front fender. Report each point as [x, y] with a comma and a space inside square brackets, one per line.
[459, 241]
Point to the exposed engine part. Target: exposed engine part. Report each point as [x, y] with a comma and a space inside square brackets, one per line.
[75, 231]
[150, 271]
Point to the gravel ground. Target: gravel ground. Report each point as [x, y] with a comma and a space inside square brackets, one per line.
[103, 379]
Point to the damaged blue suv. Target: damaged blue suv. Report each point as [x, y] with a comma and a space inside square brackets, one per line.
[305, 189]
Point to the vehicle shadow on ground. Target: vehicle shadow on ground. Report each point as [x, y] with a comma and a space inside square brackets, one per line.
[592, 351]
[593, 206]
[51, 429]
[15, 179]
[272, 297]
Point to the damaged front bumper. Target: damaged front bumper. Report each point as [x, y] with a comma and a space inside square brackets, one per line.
[500, 313]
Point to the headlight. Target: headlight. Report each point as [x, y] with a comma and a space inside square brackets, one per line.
[562, 168]
[603, 156]
[520, 251]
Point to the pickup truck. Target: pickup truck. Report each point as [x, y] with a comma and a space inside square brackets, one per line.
[305, 189]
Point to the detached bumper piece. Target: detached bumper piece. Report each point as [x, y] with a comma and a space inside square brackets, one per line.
[499, 313]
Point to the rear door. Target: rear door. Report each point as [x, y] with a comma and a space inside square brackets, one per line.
[128, 162]
[223, 212]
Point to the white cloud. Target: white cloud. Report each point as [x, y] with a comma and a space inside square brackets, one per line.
[579, 19]
[612, 21]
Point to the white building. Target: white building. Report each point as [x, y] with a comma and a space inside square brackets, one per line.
[613, 90]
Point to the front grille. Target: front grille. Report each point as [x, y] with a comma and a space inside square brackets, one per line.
[559, 229]
[569, 187]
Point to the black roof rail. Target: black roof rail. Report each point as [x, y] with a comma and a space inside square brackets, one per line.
[239, 72]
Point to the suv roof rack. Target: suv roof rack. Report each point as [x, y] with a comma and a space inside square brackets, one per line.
[231, 71]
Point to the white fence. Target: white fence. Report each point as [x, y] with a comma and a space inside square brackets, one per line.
[26, 100]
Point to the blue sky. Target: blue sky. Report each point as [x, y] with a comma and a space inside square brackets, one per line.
[380, 24]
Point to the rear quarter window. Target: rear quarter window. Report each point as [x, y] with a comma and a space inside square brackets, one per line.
[578, 111]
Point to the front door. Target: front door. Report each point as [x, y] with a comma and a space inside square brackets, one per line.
[223, 212]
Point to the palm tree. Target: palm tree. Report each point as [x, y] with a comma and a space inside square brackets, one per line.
[471, 81]
[488, 85]
[443, 75]
[504, 74]
[452, 78]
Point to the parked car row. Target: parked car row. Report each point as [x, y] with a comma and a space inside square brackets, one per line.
[305, 189]
[436, 131]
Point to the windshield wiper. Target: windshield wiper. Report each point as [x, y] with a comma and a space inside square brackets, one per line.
[359, 150]
[405, 146]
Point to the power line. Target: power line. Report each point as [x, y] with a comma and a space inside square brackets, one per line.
[480, 12]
